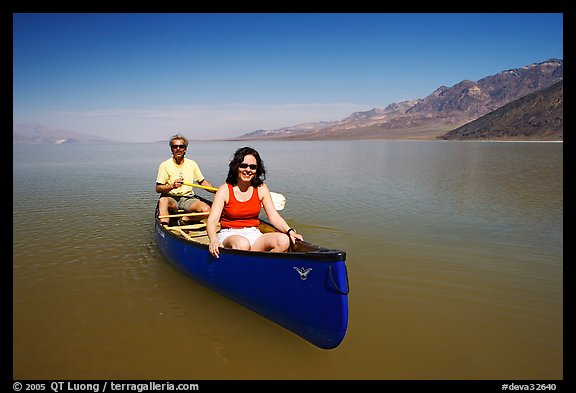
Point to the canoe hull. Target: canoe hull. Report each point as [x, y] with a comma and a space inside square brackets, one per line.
[304, 292]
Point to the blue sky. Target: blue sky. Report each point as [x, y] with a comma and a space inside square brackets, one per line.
[143, 77]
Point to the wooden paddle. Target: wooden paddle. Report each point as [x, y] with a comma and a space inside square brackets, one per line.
[279, 200]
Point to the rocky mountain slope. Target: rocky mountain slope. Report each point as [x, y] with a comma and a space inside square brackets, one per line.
[446, 109]
[537, 116]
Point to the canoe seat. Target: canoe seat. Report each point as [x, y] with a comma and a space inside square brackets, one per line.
[193, 216]
[195, 226]
[196, 221]
[194, 232]
[189, 236]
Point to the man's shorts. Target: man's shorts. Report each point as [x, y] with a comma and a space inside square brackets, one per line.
[183, 202]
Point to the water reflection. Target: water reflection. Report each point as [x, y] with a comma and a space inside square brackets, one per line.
[454, 258]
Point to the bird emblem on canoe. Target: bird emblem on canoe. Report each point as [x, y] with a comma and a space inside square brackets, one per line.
[303, 272]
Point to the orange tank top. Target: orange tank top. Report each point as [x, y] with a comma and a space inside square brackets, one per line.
[238, 214]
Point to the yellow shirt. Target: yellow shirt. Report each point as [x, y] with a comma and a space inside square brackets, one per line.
[168, 171]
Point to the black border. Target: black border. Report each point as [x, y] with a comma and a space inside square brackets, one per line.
[9, 7]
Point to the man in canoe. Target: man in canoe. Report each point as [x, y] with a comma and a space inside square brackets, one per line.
[172, 174]
[237, 205]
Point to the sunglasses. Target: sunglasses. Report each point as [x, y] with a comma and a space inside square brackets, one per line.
[252, 166]
[183, 147]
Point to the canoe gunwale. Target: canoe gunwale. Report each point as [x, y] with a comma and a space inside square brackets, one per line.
[321, 254]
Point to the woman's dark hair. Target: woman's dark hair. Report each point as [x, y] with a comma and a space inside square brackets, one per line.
[238, 158]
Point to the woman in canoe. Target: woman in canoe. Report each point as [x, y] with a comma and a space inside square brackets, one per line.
[237, 205]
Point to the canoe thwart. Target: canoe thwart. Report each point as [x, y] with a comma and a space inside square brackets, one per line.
[200, 225]
[195, 215]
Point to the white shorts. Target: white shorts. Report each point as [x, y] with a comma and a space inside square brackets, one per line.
[250, 233]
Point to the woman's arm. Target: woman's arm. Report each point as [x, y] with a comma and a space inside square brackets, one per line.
[220, 199]
[275, 217]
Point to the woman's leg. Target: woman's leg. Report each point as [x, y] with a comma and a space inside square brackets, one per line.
[275, 242]
[236, 242]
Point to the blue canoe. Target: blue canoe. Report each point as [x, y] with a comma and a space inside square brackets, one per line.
[304, 290]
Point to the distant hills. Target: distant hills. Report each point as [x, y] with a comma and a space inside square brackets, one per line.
[32, 133]
[443, 114]
[519, 104]
[537, 116]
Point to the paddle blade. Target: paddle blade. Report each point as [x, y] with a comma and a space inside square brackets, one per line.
[279, 200]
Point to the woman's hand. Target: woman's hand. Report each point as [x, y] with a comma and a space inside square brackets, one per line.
[294, 236]
[214, 248]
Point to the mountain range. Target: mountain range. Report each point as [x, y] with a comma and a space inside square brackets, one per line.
[537, 116]
[32, 133]
[443, 113]
[524, 103]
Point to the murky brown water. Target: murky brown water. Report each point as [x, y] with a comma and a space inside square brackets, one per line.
[455, 262]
